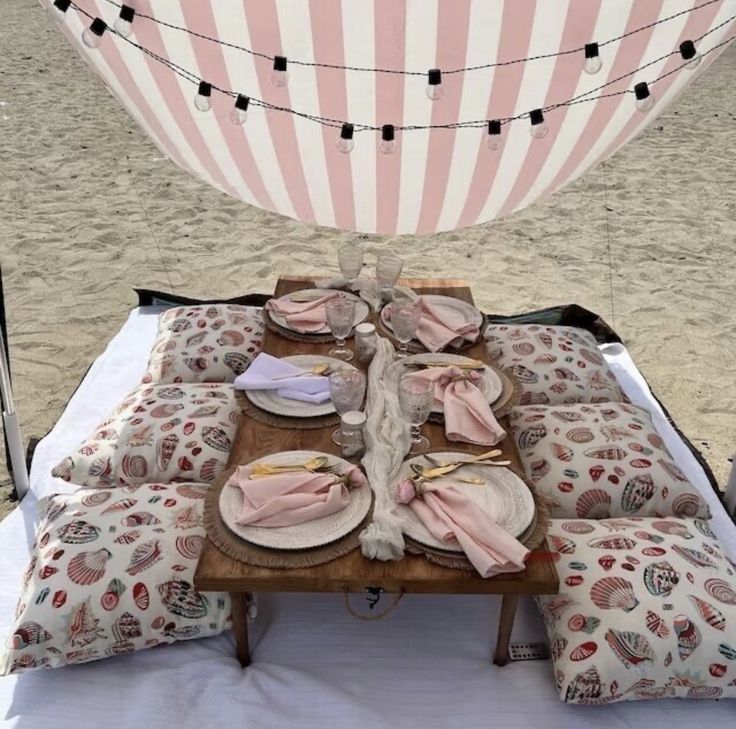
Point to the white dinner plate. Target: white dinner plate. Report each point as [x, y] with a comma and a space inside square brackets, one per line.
[309, 534]
[505, 497]
[361, 308]
[272, 402]
[490, 384]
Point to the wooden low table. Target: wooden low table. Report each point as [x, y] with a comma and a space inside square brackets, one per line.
[353, 573]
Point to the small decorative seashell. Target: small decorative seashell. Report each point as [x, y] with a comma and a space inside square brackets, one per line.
[656, 624]
[211, 469]
[578, 527]
[631, 648]
[95, 498]
[653, 551]
[686, 505]
[530, 436]
[614, 541]
[606, 453]
[120, 505]
[688, 636]
[696, 558]
[86, 568]
[165, 450]
[596, 472]
[170, 393]
[216, 438]
[727, 651]
[562, 452]
[676, 528]
[140, 518]
[721, 591]
[593, 504]
[583, 651]
[637, 492]
[563, 545]
[230, 338]
[190, 546]
[144, 556]
[580, 435]
[640, 463]
[134, 466]
[613, 592]
[191, 491]
[140, 596]
[539, 469]
[236, 361]
[672, 470]
[712, 615]
[181, 598]
[568, 416]
[660, 578]
[702, 526]
[78, 532]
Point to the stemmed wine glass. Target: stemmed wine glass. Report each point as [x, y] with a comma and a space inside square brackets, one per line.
[347, 390]
[340, 313]
[350, 260]
[416, 397]
[388, 270]
[405, 318]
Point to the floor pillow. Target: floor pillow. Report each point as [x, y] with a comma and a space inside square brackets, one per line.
[159, 433]
[553, 364]
[112, 573]
[602, 460]
[213, 343]
[646, 610]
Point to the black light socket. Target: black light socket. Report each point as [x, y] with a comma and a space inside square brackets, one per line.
[127, 13]
[641, 90]
[98, 27]
[687, 50]
[205, 89]
[591, 50]
[62, 5]
[242, 102]
[434, 77]
[536, 116]
[388, 133]
[494, 127]
[347, 131]
[279, 63]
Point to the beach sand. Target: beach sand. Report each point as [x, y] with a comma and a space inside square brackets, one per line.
[89, 209]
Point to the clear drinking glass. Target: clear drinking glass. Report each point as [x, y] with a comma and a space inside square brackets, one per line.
[405, 318]
[416, 397]
[350, 260]
[347, 390]
[388, 270]
[340, 319]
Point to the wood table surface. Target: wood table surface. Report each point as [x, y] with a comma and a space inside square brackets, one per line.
[352, 572]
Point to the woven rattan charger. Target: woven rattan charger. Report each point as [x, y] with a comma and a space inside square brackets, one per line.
[351, 572]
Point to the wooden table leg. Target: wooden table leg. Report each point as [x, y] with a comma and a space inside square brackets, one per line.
[505, 626]
[239, 601]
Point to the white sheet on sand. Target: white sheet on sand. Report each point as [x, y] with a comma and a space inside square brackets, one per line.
[314, 665]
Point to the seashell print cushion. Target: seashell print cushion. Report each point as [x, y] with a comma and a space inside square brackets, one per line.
[553, 364]
[112, 572]
[213, 343]
[159, 433]
[646, 610]
[597, 461]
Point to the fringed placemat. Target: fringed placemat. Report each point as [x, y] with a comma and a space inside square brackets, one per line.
[416, 347]
[243, 551]
[284, 421]
[295, 336]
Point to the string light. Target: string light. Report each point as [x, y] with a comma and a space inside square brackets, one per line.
[644, 99]
[203, 100]
[493, 136]
[91, 36]
[689, 53]
[593, 62]
[388, 139]
[124, 22]
[345, 141]
[239, 112]
[434, 84]
[538, 128]
[279, 75]
[62, 5]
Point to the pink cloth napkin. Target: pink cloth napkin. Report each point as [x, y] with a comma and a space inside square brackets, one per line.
[305, 316]
[441, 325]
[291, 498]
[448, 514]
[468, 415]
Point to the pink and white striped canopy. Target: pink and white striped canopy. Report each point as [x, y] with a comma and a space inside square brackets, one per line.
[436, 179]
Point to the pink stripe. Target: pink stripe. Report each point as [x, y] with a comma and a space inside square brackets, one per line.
[390, 40]
[516, 30]
[630, 53]
[328, 42]
[181, 108]
[579, 28]
[697, 23]
[265, 37]
[212, 65]
[109, 49]
[453, 21]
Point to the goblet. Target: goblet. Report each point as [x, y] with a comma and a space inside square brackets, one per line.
[340, 319]
[350, 260]
[416, 397]
[388, 270]
[405, 318]
[347, 390]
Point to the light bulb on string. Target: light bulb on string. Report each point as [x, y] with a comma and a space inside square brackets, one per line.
[345, 141]
[388, 139]
[644, 99]
[690, 54]
[91, 36]
[279, 76]
[493, 135]
[59, 7]
[239, 112]
[434, 88]
[203, 100]
[124, 22]
[538, 128]
[593, 62]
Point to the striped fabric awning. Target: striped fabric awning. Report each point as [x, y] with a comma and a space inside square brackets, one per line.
[437, 178]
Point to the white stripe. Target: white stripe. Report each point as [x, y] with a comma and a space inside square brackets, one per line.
[359, 43]
[296, 40]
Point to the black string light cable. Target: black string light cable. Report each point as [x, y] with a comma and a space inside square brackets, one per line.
[587, 48]
[538, 126]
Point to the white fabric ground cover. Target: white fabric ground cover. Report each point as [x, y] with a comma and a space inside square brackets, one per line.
[428, 665]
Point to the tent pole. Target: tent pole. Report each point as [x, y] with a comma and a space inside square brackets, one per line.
[11, 424]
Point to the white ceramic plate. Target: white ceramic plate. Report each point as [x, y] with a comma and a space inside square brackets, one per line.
[490, 385]
[361, 308]
[470, 314]
[505, 497]
[310, 534]
[272, 402]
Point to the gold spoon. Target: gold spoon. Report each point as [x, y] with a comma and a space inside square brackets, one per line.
[449, 467]
[322, 368]
[266, 469]
[420, 475]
